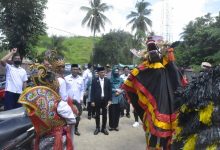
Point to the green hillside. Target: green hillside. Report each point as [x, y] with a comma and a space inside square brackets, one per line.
[75, 49]
[79, 49]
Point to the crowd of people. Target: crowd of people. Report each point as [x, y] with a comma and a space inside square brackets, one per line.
[106, 93]
[94, 89]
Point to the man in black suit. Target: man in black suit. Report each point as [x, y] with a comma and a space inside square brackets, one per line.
[101, 96]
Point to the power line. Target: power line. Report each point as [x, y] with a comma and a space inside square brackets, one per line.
[62, 30]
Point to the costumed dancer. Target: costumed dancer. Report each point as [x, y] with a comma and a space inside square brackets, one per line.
[199, 118]
[48, 108]
[150, 88]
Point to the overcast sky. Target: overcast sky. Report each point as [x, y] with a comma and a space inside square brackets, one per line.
[63, 17]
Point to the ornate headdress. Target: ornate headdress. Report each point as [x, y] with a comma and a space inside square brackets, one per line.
[43, 76]
[54, 59]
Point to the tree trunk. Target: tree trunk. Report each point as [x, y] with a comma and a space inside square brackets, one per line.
[93, 48]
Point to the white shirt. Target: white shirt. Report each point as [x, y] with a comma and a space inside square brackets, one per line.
[124, 77]
[15, 77]
[75, 87]
[62, 89]
[65, 111]
[87, 74]
[102, 86]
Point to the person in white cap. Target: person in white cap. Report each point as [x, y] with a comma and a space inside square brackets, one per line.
[206, 65]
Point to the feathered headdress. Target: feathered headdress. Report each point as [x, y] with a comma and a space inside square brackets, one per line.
[54, 59]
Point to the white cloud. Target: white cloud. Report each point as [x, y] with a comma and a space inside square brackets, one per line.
[66, 15]
[63, 17]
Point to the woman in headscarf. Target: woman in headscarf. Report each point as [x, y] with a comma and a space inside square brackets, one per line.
[114, 108]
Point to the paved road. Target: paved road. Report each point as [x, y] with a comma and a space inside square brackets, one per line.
[127, 138]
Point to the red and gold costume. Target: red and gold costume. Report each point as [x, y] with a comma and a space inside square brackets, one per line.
[150, 88]
[48, 111]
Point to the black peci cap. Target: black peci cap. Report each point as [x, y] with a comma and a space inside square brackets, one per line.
[100, 69]
[74, 65]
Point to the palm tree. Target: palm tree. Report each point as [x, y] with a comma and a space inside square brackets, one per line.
[139, 20]
[95, 19]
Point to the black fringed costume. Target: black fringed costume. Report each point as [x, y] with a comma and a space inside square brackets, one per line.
[199, 118]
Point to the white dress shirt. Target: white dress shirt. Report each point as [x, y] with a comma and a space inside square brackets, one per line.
[15, 77]
[102, 86]
[87, 74]
[124, 77]
[63, 109]
[62, 89]
[75, 87]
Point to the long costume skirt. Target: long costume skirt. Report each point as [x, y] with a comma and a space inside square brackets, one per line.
[150, 88]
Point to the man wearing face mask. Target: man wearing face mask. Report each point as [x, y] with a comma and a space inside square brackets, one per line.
[16, 78]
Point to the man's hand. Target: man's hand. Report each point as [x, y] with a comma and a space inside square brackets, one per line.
[8, 56]
[109, 103]
[14, 50]
[117, 93]
[93, 104]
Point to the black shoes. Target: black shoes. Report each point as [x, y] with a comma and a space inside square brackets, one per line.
[116, 129]
[97, 130]
[77, 133]
[110, 129]
[104, 131]
[89, 117]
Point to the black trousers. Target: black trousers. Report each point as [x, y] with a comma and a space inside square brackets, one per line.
[114, 115]
[77, 123]
[163, 142]
[135, 116]
[91, 110]
[126, 107]
[11, 100]
[84, 99]
[101, 105]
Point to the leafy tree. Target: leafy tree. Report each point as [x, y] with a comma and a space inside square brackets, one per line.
[57, 43]
[113, 48]
[95, 19]
[139, 20]
[194, 28]
[45, 43]
[21, 21]
[217, 21]
[201, 42]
